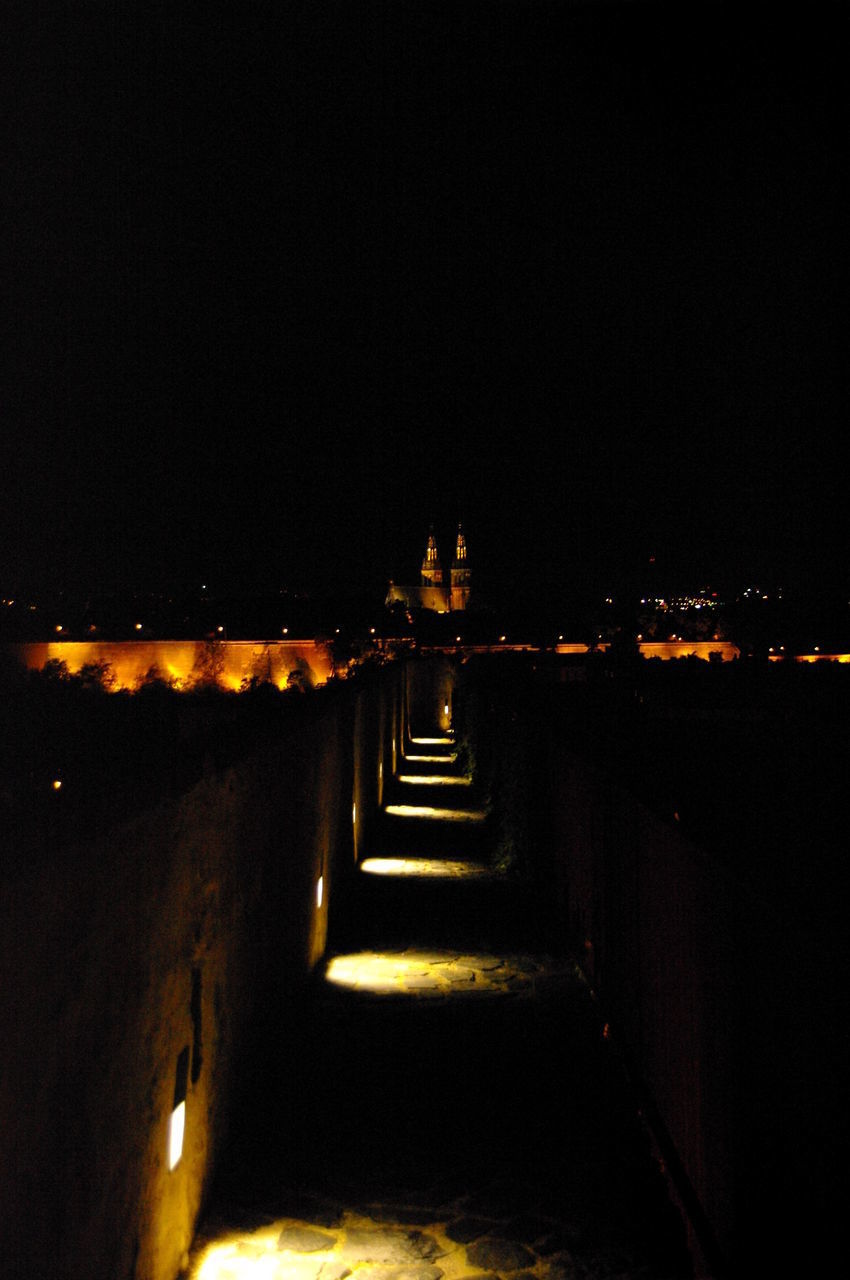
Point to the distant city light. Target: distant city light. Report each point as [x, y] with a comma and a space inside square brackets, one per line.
[284, 631]
[58, 626]
[138, 626]
[219, 629]
[57, 784]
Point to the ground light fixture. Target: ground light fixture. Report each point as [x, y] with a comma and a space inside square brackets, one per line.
[177, 1119]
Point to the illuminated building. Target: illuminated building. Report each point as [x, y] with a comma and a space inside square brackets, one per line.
[434, 591]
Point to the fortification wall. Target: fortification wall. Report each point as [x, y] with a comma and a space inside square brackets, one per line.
[168, 934]
[651, 919]
[229, 663]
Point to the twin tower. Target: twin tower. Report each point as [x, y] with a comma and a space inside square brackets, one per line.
[435, 591]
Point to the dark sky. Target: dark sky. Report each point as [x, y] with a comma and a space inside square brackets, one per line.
[285, 282]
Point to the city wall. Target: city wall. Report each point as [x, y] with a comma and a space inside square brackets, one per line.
[145, 956]
[230, 663]
[652, 921]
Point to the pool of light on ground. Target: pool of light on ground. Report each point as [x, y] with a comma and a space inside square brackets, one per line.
[441, 974]
[433, 742]
[387, 1246]
[433, 780]
[436, 868]
[430, 811]
[447, 759]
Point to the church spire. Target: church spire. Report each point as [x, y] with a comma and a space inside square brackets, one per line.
[461, 575]
[460, 561]
[432, 570]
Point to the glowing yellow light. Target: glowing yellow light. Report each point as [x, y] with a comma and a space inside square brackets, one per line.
[425, 868]
[431, 742]
[457, 639]
[57, 784]
[59, 626]
[433, 780]
[442, 815]
[285, 631]
[371, 631]
[225, 1262]
[354, 815]
[320, 890]
[138, 626]
[176, 1129]
[437, 974]
[501, 639]
[219, 630]
[448, 759]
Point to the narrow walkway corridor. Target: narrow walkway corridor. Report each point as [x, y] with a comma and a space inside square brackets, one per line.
[446, 1104]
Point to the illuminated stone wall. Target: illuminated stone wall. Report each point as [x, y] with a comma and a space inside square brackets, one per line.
[181, 930]
[229, 663]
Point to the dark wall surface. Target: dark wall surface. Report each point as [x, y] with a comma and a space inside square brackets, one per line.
[183, 928]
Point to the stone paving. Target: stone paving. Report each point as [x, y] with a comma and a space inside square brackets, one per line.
[416, 1243]
[445, 975]
[427, 868]
[439, 1112]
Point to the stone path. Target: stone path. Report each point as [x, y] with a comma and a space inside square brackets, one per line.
[440, 1112]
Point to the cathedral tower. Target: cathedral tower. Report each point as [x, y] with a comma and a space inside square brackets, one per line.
[461, 575]
[432, 570]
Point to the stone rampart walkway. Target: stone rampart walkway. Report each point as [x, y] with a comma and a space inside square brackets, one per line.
[440, 1112]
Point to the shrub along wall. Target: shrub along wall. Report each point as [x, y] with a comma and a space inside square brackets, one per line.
[132, 968]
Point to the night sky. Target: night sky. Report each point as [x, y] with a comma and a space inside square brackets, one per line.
[283, 283]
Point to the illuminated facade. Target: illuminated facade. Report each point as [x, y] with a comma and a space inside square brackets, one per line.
[435, 591]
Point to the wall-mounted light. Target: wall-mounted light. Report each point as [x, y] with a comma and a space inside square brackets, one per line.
[354, 815]
[177, 1119]
[320, 891]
